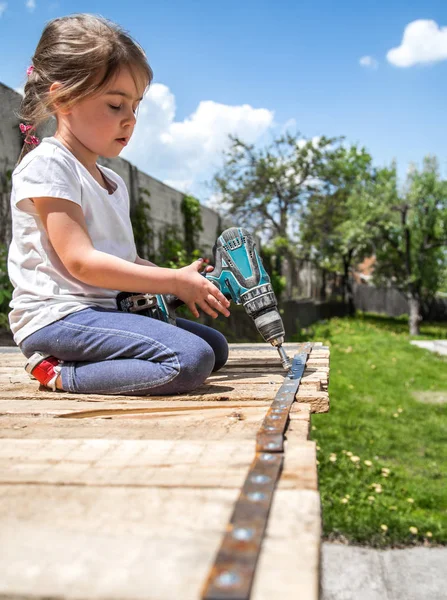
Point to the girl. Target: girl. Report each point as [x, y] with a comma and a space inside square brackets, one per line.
[73, 249]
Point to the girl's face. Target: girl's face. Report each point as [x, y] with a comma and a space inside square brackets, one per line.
[104, 124]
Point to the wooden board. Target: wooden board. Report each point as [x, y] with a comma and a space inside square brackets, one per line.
[123, 497]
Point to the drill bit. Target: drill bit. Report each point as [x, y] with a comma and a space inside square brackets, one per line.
[285, 360]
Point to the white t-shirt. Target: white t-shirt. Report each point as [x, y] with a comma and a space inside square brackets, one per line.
[44, 291]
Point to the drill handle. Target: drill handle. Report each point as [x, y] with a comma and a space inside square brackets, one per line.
[173, 301]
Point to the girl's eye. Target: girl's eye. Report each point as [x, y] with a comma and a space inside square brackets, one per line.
[119, 108]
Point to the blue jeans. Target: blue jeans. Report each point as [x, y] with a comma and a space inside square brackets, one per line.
[113, 352]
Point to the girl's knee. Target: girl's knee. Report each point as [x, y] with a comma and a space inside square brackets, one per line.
[220, 351]
[196, 365]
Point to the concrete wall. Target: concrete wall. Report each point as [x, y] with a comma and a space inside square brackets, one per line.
[165, 201]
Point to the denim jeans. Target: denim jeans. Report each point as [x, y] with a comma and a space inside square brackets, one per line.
[112, 352]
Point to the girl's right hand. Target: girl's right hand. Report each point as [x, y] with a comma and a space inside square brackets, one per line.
[194, 289]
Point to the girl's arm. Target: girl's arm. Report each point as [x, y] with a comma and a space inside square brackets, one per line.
[67, 231]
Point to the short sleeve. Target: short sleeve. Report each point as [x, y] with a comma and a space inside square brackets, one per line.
[49, 175]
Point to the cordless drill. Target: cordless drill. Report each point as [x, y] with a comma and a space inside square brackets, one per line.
[240, 276]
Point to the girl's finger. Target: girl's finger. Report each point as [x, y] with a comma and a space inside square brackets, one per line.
[192, 307]
[214, 303]
[219, 296]
[208, 310]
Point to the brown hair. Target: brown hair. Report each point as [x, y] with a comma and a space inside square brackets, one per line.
[83, 52]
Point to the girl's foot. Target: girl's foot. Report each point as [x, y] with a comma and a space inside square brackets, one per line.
[46, 369]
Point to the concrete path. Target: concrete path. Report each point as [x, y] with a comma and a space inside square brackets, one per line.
[438, 346]
[357, 573]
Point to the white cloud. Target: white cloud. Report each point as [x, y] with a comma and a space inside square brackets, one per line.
[30, 5]
[3, 7]
[186, 153]
[423, 42]
[369, 62]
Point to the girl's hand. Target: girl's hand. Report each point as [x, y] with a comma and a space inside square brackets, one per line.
[194, 289]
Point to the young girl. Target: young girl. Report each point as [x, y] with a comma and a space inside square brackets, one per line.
[73, 249]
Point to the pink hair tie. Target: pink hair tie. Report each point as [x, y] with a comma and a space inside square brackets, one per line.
[25, 128]
[29, 139]
[32, 140]
[29, 70]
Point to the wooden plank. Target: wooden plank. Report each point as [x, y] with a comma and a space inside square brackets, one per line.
[288, 566]
[319, 400]
[92, 462]
[111, 405]
[197, 422]
[139, 463]
[96, 543]
[218, 390]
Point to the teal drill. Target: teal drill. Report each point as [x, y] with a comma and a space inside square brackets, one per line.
[240, 276]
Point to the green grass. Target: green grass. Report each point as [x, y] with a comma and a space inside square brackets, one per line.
[375, 377]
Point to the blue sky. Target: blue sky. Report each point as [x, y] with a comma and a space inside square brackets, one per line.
[255, 68]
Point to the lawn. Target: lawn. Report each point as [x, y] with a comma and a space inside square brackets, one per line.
[382, 448]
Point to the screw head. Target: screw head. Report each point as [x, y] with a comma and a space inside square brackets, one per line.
[256, 496]
[266, 456]
[260, 478]
[243, 534]
[227, 579]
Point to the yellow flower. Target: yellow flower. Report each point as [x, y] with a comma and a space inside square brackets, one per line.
[385, 470]
[384, 527]
[429, 534]
[413, 530]
[355, 458]
[368, 463]
[371, 498]
[395, 415]
[318, 448]
[410, 500]
[384, 474]
[399, 410]
[350, 386]
[373, 367]
[318, 462]
[393, 507]
[333, 458]
[313, 428]
[344, 500]
[348, 453]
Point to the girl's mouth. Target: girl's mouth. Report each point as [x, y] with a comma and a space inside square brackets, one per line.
[122, 141]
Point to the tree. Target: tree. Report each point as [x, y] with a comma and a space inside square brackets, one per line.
[265, 189]
[410, 232]
[329, 236]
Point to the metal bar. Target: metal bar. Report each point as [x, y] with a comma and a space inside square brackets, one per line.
[231, 576]
[270, 438]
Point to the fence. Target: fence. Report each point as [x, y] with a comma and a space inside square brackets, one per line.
[394, 303]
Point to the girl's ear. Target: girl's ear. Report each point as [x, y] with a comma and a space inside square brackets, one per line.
[58, 105]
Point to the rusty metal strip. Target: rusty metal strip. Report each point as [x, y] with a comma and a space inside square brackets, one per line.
[231, 576]
[270, 438]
